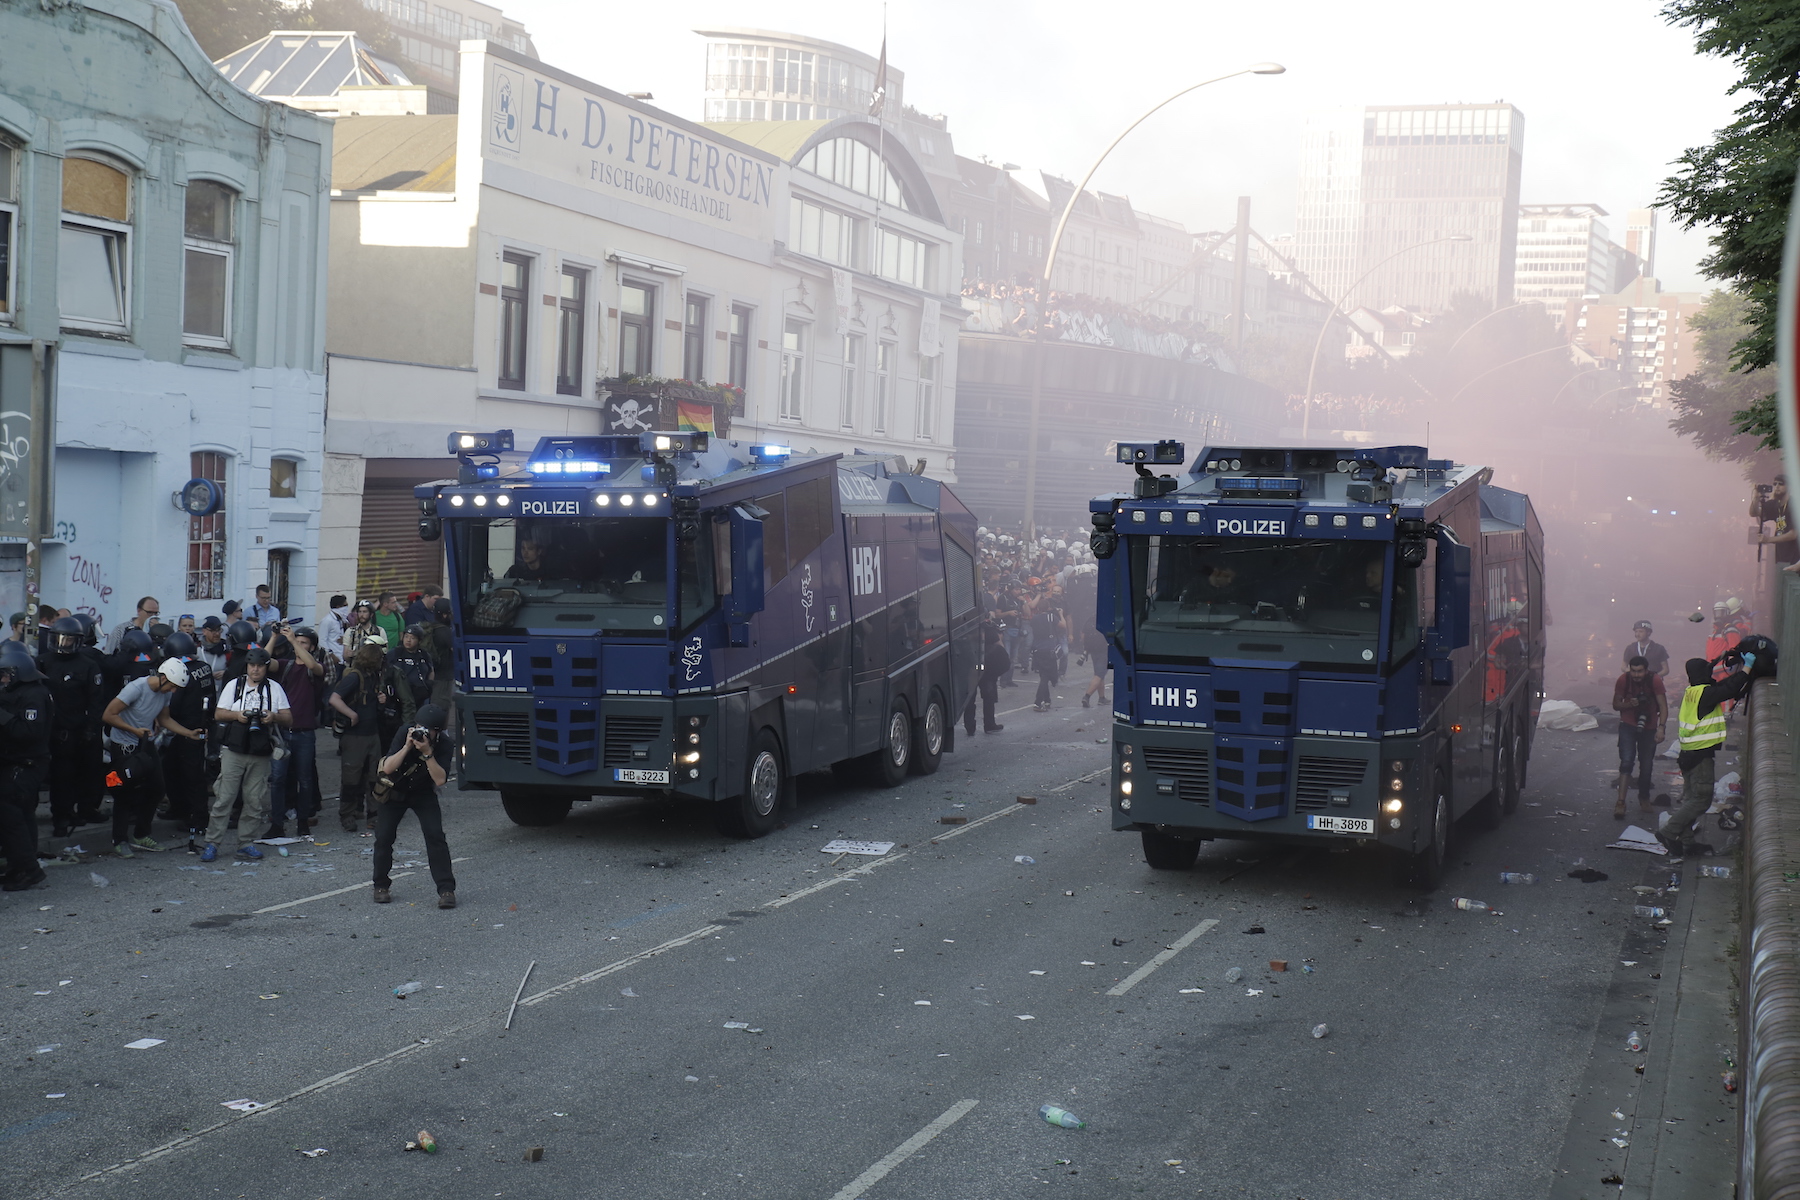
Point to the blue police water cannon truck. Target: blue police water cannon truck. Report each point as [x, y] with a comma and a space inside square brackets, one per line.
[675, 615]
[1318, 645]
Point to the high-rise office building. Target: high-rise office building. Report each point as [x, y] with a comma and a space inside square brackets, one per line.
[1640, 238]
[1383, 188]
[1564, 251]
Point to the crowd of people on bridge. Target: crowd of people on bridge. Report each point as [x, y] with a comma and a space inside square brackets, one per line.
[210, 725]
[1038, 597]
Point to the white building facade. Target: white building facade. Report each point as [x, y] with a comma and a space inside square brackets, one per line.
[1564, 253]
[554, 249]
[162, 288]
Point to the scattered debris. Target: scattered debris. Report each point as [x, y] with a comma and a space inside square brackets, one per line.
[1278, 964]
[628, 992]
[1468, 905]
[1634, 1043]
[98, 880]
[1712, 872]
[1565, 715]
[242, 1105]
[1614, 1180]
[319, 1152]
[1025, 799]
[1061, 1117]
[953, 819]
[1306, 968]
[737, 1025]
[1321, 1030]
[1191, 991]
[424, 1142]
[847, 846]
[65, 1095]
[1517, 877]
[1025, 1016]
[921, 1004]
[407, 989]
[48, 1048]
[1588, 875]
[1025, 859]
[1233, 975]
[144, 1043]
[534, 1154]
[530, 967]
[1638, 839]
[1123, 942]
[1254, 929]
[1561, 812]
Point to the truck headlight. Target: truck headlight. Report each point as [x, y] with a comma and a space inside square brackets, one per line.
[692, 756]
[1125, 787]
[1392, 805]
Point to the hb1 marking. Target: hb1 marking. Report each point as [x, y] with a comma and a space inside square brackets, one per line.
[490, 664]
[865, 570]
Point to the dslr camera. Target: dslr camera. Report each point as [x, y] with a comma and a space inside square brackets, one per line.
[421, 733]
[1763, 489]
[255, 717]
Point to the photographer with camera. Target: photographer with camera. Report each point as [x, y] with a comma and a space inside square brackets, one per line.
[1770, 505]
[252, 708]
[416, 766]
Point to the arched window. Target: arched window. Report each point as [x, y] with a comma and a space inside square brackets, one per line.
[852, 164]
[210, 228]
[93, 274]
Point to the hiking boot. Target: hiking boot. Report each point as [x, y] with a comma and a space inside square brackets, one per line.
[28, 878]
[446, 899]
[383, 896]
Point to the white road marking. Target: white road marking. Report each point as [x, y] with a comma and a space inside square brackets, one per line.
[613, 967]
[904, 1151]
[1138, 976]
[340, 891]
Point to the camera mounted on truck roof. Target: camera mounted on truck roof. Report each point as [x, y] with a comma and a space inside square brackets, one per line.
[1166, 453]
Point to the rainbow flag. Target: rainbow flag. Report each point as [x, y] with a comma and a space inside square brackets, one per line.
[695, 415]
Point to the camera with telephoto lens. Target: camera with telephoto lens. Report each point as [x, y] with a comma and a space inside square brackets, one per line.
[255, 717]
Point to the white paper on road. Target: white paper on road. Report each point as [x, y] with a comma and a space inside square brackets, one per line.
[144, 1043]
[845, 846]
[242, 1105]
[1637, 839]
[1565, 714]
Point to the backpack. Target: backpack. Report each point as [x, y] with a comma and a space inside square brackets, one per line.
[1766, 651]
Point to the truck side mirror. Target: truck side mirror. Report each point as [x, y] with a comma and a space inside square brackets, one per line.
[746, 596]
[1450, 628]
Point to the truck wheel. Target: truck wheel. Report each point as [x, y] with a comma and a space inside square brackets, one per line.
[1522, 749]
[756, 810]
[1429, 864]
[529, 807]
[1166, 852]
[888, 766]
[928, 737]
[1507, 780]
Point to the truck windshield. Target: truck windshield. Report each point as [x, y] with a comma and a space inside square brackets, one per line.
[1315, 600]
[606, 573]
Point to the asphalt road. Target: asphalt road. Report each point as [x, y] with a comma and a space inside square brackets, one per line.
[903, 1018]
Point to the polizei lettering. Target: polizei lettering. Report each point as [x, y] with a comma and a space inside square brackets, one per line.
[550, 508]
[1254, 526]
[1173, 697]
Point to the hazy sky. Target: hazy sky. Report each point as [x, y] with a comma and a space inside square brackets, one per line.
[1611, 95]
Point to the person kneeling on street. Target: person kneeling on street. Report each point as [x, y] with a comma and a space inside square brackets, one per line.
[253, 709]
[135, 771]
[416, 766]
[1700, 729]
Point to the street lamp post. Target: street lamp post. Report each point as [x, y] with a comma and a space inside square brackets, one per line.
[1312, 370]
[1037, 359]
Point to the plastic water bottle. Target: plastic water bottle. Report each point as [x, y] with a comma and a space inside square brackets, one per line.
[1233, 975]
[1711, 872]
[1650, 911]
[1468, 905]
[1320, 1031]
[98, 880]
[407, 989]
[1061, 1116]
[1517, 877]
[1634, 1043]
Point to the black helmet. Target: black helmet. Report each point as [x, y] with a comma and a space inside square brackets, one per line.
[431, 716]
[159, 632]
[16, 664]
[420, 630]
[180, 645]
[135, 644]
[240, 635]
[256, 656]
[441, 606]
[88, 637]
[306, 631]
[66, 634]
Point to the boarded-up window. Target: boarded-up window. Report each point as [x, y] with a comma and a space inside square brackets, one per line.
[96, 190]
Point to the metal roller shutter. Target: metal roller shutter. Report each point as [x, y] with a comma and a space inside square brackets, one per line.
[389, 555]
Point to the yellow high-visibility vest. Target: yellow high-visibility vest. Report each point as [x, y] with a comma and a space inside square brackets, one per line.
[1698, 732]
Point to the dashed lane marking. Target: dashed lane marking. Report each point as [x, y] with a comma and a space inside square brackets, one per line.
[904, 1151]
[1139, 975]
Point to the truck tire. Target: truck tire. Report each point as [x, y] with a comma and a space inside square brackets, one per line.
[928, 736]
[757, 809]
[1166, 852]
[888, 766]
[530, 807]
[1426, 868]
[1506, 781]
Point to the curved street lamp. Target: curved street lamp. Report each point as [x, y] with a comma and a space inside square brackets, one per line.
[1509, 362]
[1471, 329]
[1312, 370]
[1037, 370]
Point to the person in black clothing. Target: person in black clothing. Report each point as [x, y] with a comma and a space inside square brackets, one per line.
[93, 766]
[1046, 627]
[413, 662]
[418, 762]
[27, 715]
[75, 682]
[184, 759]
[1697, 764]
[994, 664]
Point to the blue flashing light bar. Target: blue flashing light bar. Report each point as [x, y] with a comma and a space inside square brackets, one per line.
[1263, 487]
[771, 453]
[571, 466]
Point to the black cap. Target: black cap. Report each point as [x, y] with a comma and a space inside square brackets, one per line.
[212, 623]
[431, 716]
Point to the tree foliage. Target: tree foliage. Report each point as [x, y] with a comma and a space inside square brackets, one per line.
[1710, 404]
[222, 26]
[1741, 183]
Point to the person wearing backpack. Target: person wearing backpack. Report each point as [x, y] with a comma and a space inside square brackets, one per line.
[413, 661]
[371, 704]
[253, 708]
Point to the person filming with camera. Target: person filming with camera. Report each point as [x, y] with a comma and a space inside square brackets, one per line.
[252, 709]
[416, 766]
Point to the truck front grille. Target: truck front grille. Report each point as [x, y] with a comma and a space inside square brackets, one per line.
[1189, 766]
[622, 731]
[512, 728]
[1319, 776]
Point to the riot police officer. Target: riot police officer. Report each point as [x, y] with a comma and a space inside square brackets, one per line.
[27, 714]
[75, 682]
[135, 658]
[92, 776]
[239, 637]
[184, 759]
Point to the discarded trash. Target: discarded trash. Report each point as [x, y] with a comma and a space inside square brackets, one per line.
[1617, 1115]
[530, 967]
[46, 1049]
[1517, 877]
[1566, 715]
[921, 1003]
[1320, 1031]
[846, 846]
[242, 1105]
[1468, 905]
[628, 992]
[1628, 962]
[1588, 875]
[1252, 991]
[1614, 1180]
[1675, 881]
[1621, 1143]
[1026, 859]
[424, 1142]
[737, 1024]
[1561, 812]
[269, 996]
[1036, 972]
[1025, 799]
[1025, 1016]
[1728, 786]
[1191, 991]
[320, 1152]
[534, 1154]
[65, 1095]
[98, 880]
[1123, 942]
[407, 989]
[1729, 1079]
[1061, 1117]
[1712, 872]
[1638, 839]
[1306, 968]
[953, 819]
[1233, 975]
[1634, 1043]
[1650, 910]
[691, 1079]
[1254, 929]
[1278, 964]
[144, 1043]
